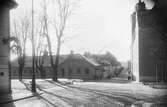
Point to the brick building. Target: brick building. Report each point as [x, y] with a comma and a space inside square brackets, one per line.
[149, 42]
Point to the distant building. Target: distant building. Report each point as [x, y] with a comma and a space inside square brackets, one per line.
[149, 42]
[108, 63]
[73, 66]
[80, 67]
[27, 72]
[126, 70]
[5, 83]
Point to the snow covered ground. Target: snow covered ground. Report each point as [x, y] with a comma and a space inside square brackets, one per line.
[86, 94]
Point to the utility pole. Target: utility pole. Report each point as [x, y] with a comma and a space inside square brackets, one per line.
[33, 88]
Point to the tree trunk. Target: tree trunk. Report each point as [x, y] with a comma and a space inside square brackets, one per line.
[51, 57]
[20, 72]
[55, 77]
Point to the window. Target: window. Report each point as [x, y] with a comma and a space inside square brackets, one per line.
[78, 70]
[30, 71]
[15, 72]
[86, 70]
[62, 72]
[69, 70]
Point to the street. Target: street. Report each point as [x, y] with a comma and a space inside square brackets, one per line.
[88, 94]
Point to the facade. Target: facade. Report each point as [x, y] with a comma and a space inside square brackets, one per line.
[125, 73]
[5, 84]
[73, 66]
[149, 43]
[27, 72]
[108, 69]
[77, 66]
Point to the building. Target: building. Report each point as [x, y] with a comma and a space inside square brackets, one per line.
[149, 42]
[27, 72]
[125, 73]
[73, 66]
[79, 67]
[108, 63]
[5, 6]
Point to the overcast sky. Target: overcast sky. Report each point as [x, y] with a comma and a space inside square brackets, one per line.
[98, 25]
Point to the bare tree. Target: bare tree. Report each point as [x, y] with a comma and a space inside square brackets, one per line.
[41, 54]
[20, 30]
[65, 8]
[59, 22]
[44, 24]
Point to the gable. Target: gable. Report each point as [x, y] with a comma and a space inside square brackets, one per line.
[77, 59]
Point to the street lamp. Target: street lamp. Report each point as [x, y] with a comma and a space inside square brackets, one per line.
[33, 88]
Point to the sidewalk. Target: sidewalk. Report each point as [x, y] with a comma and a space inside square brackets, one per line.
[61, 95]
[19, 92]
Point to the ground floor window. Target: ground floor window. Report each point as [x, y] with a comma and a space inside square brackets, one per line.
[69, 70]
[62, 72]
[15, 72]
[78, 70]
[86, 70]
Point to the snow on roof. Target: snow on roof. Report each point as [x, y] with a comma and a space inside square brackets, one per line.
[92, 61]
[63, 58]
[79, 56]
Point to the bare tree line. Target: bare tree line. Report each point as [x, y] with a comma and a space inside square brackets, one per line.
[21, 30]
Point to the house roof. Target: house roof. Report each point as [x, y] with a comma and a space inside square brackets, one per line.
[63, 58]
[28, 61]
[81, 57]
[92, 61]
[104, 59]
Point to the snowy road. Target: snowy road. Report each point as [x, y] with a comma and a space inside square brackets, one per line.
[91, 94]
